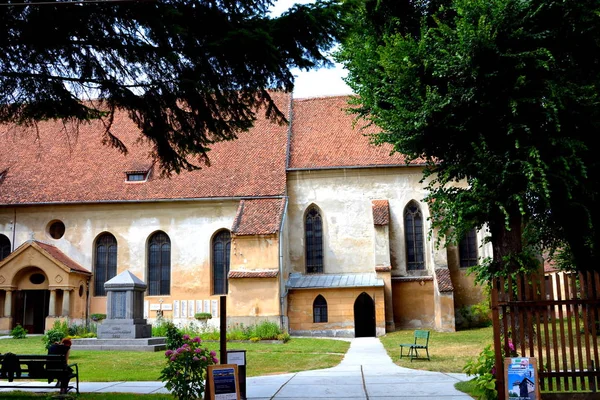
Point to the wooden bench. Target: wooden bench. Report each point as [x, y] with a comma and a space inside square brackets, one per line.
[421, 343]
[31, 367]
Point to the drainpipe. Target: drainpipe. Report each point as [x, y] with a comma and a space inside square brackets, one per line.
[281, 280]
[14, 230]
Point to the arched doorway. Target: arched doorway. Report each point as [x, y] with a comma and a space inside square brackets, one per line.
[364, 316]
[31, 299]
[31, 309]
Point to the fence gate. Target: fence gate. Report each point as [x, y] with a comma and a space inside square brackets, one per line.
[555, 318]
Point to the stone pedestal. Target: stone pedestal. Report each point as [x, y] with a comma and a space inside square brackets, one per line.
[125, 309]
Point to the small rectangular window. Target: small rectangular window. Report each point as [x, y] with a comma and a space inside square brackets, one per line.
[136, 177]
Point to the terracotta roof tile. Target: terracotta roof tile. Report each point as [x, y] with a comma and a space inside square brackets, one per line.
[268, 273]
[412, 278]
[56, 168]
[61, 257]
[549, 266]
[325, 135]
[444, 280]
[381, 212]
[258, 217]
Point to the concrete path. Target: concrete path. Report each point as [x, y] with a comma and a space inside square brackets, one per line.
[366, 372]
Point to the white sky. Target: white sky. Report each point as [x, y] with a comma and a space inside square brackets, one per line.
[318, 82]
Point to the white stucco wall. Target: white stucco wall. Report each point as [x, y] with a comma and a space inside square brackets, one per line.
[189, 225]
[344, 198]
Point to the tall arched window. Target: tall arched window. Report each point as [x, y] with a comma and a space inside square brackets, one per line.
[4, 247]
[159, 264]
[221, 251]
[313, 235]
[467, 249]
[413, 230]
[105, 262]
[320, 309]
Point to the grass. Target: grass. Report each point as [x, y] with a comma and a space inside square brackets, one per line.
[469, 388]
[17, 395]
[449, 351]
[299, 354]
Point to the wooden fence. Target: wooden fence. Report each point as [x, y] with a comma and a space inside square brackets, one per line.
[555, 318]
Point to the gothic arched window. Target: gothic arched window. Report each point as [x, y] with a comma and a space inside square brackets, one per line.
[413, 231]
[105, 262]
[320, 309]
[313, 235]
[467, 249]
[221, 253]
[4, 247]
[159, 264]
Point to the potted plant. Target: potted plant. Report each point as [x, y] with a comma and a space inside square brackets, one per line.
[203, 317]
[98, 317]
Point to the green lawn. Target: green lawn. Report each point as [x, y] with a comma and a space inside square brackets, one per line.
[449, 351]
[298, 354]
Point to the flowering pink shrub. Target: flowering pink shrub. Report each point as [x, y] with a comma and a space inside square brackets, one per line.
[185, 372]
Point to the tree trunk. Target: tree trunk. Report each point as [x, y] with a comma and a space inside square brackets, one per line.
[506, 241]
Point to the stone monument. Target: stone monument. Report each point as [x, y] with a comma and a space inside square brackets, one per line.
[125, 327]
[125, 309]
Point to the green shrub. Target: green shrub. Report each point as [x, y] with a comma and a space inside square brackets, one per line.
[18, 332]
[98, 317]
[475, 316]
[185, 372]
[266, 330]
[52, 336]
[203, 315]
[485, 373]
[285, 337]
[174, 336]
[62, 326]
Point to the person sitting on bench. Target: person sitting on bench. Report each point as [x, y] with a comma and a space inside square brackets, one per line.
[62, 348]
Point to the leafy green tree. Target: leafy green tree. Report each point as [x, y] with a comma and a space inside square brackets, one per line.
[501, 95]
[188, 72]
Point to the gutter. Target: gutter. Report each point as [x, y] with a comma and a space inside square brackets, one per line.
[174, 200]
[356, 167]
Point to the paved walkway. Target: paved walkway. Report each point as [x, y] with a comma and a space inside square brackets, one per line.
[366, 372]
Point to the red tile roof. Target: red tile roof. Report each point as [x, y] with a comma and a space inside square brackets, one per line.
[381, 212]
[258, 217]
[324, 135]
[64, 166]
[268, 273]
[52, 252]
[444, 280]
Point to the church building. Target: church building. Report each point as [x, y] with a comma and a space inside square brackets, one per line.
[307, 225]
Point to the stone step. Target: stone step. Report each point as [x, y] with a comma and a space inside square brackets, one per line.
[158, 347]
[125, 342]
[142, 344]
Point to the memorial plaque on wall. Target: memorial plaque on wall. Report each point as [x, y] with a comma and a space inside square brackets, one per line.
[176, 309]
[191, 308]
[207, 306]
[184, 309]
[520, 377]
[198, 306]
[214, 309]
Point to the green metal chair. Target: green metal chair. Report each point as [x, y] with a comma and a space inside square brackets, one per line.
[421, 343]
